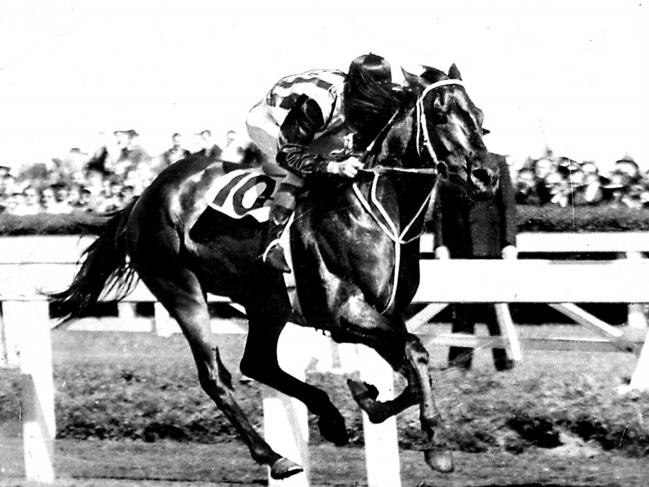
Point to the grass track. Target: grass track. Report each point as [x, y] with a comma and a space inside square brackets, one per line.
[126, 464]
[90, 371]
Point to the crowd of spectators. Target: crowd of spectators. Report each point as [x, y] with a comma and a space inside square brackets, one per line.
[104, 180]
[565, 182]
[120, 169]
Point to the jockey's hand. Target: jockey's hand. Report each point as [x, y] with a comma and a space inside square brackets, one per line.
[347, 168]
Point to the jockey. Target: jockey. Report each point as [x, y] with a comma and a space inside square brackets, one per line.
[305, 123]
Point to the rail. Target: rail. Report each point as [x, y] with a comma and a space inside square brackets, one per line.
[31, 265]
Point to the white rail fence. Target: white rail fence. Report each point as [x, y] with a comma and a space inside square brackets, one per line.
[36, 264]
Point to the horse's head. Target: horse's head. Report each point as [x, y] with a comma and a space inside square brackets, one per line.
[449, 129]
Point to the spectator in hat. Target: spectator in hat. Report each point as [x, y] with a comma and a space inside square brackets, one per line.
[54, 199]
[74, 196]
[112, 195]
[175, 153]
[7, 181]
[615, 188]
[29, 204]
[72, 164]
[11, 201]
[87, 201]
[542, 169]
[103, 159]
[592, 191]
[628, 167]
[574, 177]
[232, 149]
[557, 188]
[526, 193]
[207, 147]
[130, 154]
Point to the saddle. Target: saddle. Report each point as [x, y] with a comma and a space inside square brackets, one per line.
[250, 192]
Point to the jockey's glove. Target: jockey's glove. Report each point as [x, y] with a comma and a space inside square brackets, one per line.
[348, 168]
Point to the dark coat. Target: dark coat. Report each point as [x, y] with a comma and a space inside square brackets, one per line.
[471, 228]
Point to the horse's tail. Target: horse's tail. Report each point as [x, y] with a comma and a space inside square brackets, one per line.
[104, 266]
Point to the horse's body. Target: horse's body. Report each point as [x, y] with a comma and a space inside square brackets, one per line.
[348, 242]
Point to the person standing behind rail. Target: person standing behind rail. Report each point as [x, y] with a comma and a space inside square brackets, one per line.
[482, 228]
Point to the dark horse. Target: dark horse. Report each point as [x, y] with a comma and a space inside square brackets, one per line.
[355, 252]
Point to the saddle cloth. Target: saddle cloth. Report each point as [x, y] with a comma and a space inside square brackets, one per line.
[243, 192]
[250, 192]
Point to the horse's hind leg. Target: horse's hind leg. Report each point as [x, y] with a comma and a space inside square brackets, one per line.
[267, 317]
[185, 301]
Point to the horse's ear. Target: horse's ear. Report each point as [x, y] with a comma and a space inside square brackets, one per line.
[412, 79]
[454, 73]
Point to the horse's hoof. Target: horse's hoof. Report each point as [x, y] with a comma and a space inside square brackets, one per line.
[442, 461]
[284, 468]
[333, 429]
[362, 392]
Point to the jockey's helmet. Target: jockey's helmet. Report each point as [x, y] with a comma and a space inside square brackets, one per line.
[371, 65]
[368, 90]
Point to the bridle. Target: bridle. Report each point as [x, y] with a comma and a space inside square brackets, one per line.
[421, 123]
[383, 219]
[421, 117]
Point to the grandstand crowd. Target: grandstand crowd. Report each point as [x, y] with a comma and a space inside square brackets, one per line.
[119, 170]
[565, 182]
[104, 180]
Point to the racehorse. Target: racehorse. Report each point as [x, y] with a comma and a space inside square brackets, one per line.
[355, 251]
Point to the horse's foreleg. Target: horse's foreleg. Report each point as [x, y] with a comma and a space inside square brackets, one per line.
[267, 319]
[185, 301]
[430, 417]
[361, 323]
[378, 411]
[406, 354]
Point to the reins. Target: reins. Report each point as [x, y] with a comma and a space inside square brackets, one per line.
[385, 223]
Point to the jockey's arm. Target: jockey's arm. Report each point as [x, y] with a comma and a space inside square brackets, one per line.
[303, 122]
[297, 132]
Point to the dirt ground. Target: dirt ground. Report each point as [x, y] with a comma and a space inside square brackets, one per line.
[126, 464]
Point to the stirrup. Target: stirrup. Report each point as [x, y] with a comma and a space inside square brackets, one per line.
[269, 247]
[275, 260]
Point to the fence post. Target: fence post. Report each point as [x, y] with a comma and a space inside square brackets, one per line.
[506, 324]
[29, 322]
[381, 440]
[163, 324]
[126, 311]
[636, 317]
[286, 427]
[640, 377]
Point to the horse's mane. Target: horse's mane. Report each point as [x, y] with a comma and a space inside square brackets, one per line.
[369, 105]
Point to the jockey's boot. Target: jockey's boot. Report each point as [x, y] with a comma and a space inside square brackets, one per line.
[274, 254]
